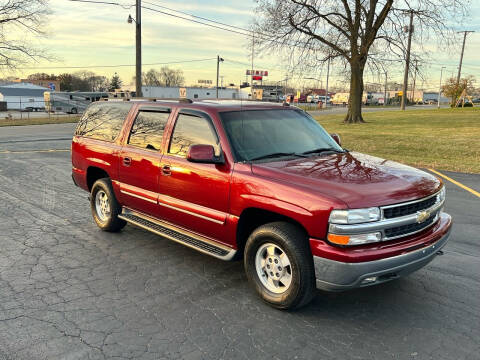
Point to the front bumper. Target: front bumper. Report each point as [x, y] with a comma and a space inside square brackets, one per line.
[332, 275]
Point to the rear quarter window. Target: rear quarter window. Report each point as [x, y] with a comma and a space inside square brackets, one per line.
[103, 121]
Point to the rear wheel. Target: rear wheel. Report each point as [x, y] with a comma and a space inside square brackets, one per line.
[279, 265]
[105, 207]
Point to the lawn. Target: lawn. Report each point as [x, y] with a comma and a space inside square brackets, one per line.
[54, 119]
[443, 139]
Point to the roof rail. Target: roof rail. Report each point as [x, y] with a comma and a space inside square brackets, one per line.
[185, 100]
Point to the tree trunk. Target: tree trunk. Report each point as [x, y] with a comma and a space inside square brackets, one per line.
[354, 114]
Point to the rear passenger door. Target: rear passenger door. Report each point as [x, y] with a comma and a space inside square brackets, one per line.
[140, 159]
[194, 195]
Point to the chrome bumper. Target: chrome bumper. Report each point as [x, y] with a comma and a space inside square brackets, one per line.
[337, 276]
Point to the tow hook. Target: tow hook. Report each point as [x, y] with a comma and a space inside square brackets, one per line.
[440, 252]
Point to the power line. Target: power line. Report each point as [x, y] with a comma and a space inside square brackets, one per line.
[105, 3]
[195, 21]
[196, 16]
[113, 66]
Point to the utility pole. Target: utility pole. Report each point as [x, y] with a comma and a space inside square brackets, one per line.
[461, 56]
[385, 93]
[440, 87]
[251, 78]
[138, 46]
[414, 81]
[326, 87]
[219, 59]
[407, 61]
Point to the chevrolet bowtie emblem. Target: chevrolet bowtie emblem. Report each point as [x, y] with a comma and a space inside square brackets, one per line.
[422, 216]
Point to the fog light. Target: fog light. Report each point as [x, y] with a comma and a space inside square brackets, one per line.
[369, 280]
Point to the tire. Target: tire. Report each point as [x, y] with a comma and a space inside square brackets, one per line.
[73, 111]
[105, 213]
[294, 284]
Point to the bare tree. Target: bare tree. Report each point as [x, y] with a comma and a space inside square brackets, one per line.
[24, 17]
[171, 77]
[357, 33]
[165, 77]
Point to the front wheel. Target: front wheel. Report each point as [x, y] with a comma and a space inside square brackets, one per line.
[279, 265]
[105, 207]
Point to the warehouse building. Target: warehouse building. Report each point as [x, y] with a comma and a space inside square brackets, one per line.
[22, 96]
[192, 92]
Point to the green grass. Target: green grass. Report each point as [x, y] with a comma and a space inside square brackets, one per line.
[54, 119]
[443, 139]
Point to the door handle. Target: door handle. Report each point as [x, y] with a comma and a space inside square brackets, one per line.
[166, 170]
[127, 161]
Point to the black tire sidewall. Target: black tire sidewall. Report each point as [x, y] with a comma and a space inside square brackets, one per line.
[113, 223]
[291, 297]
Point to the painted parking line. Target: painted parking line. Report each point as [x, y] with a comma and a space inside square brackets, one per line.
[33, 151]
[476, 193]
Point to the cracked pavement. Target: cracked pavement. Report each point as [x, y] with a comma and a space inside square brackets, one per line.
[71, 291]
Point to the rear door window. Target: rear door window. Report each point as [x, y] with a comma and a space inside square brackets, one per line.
[148, 128]
[103, 120]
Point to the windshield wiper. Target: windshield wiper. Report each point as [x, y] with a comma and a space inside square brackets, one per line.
[277, 154]
[320, 150]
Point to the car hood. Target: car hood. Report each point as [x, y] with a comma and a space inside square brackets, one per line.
[357, 179]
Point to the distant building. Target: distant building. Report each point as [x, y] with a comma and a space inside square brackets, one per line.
[23, 96]
[262, 92]
[53, 85]
[192, 92]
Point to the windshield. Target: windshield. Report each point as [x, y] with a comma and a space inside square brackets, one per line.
[256, 134]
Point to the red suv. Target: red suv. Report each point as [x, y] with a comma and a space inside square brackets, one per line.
[260, 181]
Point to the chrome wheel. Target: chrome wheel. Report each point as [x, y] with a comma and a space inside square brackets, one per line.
[273, 268]
[102, 206]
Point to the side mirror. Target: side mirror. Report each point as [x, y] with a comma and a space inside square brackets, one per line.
[336, 137]
[203, 154]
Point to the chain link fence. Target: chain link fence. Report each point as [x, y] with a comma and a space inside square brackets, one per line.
[11, 110]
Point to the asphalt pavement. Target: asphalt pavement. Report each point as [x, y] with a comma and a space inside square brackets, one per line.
[71, 291]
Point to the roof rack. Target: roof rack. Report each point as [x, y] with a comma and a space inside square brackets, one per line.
[152, 99]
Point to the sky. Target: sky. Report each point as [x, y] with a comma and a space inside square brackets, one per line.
[87, 36]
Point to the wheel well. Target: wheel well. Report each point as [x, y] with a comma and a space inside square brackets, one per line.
[93, 174]
[252, 218]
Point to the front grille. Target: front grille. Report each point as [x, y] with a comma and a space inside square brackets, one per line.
[408, 209]
[409, 229]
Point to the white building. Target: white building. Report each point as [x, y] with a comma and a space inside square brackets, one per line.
[22, 96]
[192, 93]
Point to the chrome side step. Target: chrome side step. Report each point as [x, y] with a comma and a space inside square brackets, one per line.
[177, 234]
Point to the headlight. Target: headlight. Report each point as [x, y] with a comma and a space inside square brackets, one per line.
[441, 195]
[355, 216]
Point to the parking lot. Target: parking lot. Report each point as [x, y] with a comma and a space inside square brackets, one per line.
[71, 291]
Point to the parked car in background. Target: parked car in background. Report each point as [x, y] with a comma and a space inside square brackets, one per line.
[263, 182]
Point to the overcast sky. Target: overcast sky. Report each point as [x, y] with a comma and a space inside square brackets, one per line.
[89, 35]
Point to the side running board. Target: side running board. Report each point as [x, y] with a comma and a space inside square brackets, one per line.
[177, 234]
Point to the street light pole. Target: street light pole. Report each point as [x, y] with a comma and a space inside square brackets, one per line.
[326, 86]
[440, 87]
[138, 48]
[407, 61]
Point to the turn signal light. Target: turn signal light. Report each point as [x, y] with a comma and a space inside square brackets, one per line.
[339, 239]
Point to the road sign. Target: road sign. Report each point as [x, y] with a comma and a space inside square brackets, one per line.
[257, 72]
[51, 86]
[183, 93]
